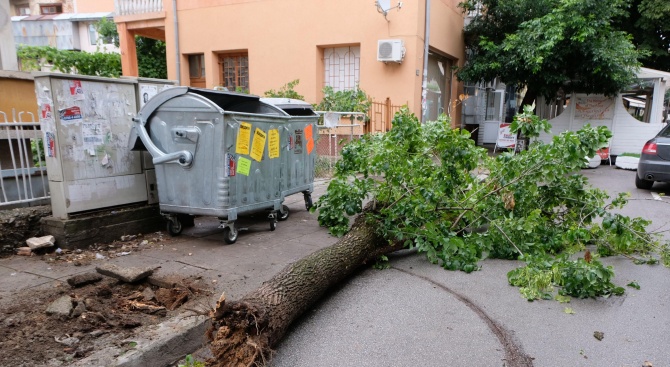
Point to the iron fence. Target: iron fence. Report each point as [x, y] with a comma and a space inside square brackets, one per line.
[23, 175]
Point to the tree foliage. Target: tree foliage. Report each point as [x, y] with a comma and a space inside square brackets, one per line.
[647, 22]
[85, 63]
[286, 91]
[548, 45]
[352, 100]
[434, 190]
[151, 57]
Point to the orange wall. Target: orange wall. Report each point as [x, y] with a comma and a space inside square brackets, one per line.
[94, 6]
[284, 41]
[18, 93]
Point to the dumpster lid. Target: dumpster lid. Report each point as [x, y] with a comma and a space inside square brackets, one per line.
[293, 107]
[226, 102]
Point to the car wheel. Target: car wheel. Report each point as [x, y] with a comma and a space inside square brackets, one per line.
[643, 184]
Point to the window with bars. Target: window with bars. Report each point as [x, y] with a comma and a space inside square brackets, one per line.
[235, 71]
[51, 9]
[342, 67]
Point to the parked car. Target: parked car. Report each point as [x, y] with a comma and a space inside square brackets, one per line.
[654, 164]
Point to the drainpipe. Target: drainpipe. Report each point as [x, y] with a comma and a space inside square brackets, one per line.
[424, 85]
[176, 41]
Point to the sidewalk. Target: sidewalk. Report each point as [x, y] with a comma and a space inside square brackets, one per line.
[415, 313]
[200, 251]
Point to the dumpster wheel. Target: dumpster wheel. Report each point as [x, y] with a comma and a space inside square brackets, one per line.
[308, 199]
[283, 213]
[174, 226]
[230, 234]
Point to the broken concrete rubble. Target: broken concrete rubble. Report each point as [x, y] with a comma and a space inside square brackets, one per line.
[60, 307]
[40, 242]
[148, 294]
[79, 309]
[24, 251]
[128, 275]
[84, 279]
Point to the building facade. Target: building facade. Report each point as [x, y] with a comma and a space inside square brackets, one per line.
[261, 45]
[64, 24]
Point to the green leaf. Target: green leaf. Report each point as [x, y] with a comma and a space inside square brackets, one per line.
[634, 284]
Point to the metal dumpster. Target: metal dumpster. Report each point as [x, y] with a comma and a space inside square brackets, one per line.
[223, 154]
[300, 135]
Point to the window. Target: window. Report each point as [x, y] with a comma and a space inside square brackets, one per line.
[342, 67]
[235, 71]
[23, 9]
[92, 34]
[196, 70]
[51, 9]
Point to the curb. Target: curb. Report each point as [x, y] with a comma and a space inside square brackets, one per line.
[157, 346]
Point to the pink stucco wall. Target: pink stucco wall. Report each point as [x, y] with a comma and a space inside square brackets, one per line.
[285, 40]
[94, 6]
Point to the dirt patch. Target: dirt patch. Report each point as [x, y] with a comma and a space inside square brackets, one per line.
[17, 225]
[99, 314]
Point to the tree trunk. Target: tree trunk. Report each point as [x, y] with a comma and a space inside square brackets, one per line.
[528, 98]
[243, 332]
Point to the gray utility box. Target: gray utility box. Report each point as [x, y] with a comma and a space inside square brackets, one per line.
[224, 154]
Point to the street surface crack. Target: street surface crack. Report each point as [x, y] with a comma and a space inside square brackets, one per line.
[514, 353]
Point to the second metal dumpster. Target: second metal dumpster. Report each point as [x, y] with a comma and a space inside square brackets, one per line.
[222, 154]
[300, 135]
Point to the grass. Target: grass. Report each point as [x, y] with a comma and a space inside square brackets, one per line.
[635, 155]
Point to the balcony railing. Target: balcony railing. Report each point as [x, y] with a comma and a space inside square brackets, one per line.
[132, 7]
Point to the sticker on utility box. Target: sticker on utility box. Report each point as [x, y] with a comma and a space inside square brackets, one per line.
[243, 166]
[76, 90]
[50, 143]
[70, 114]
[243, 136]
[45, 111]
[258, 145]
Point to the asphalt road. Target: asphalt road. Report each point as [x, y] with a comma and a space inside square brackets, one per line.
[417, 314]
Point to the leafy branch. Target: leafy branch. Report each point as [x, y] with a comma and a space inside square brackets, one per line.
[426, 194]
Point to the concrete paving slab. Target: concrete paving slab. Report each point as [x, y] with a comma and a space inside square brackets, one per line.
[33, 265]
[13, 280]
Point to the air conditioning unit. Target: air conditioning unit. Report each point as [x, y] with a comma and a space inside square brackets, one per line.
[390, 50]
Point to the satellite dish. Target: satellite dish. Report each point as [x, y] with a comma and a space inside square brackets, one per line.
[384, 5]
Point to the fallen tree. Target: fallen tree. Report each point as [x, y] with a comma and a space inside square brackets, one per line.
[431, 189]
[243, 332]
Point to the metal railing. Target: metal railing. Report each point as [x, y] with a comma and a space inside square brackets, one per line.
[23, 177]
[131, 7]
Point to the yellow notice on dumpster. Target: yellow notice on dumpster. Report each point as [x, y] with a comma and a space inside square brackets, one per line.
[258, 145]
[243, 166]
[243, 136]
[273, 143]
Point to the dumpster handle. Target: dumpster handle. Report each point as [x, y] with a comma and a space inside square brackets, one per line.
[184, 157]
